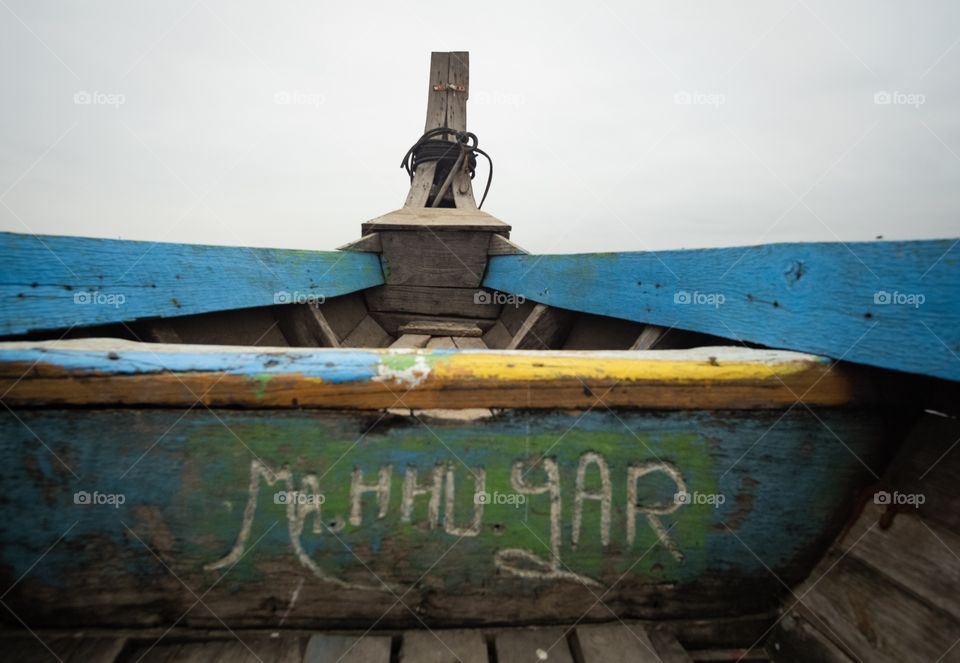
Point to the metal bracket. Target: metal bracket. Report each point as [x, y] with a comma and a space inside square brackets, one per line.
[449, 87]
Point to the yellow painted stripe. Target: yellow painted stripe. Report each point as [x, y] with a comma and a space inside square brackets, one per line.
[539, 368]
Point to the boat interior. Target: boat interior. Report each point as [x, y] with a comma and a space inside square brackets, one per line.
[434, 262]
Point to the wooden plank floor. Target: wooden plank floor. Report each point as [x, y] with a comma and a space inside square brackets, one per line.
[584, 643]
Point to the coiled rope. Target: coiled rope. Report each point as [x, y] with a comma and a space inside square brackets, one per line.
[449, 155]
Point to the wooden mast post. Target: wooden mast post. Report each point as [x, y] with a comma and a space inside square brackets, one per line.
[447, 94]
[434, 257]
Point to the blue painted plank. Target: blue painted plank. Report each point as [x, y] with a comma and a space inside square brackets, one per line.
[888, 304]
[680, 513]
[49, 282]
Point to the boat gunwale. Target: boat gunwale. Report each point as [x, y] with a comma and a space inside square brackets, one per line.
[108, 372]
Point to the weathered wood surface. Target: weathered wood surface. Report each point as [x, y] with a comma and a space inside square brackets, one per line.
[422, 186]
[366, 244]
[440, 328]
[649, 337]
[458, 302]
[545, 328]
[716, 639]
[441, 342]
[56, 282]
[259, 327]
[394, 323]
[794, 639]
[443, 646]
[873, 618]
[459, 76]
[343, 314]
[501, 246]
[113, 372]
[669, 650]
[514, 315]
[446, 108]
[615, 643]
[238, 648]
[325, 648]
[888, 588]
[209, 493]
[411, 341]
[857, 301]
[304, 325]
[368, 334]
[64, 649]
[469, 343]
[755, 655]
[497, 336]
[437, 219]
[929, 465]
[430, 258]
[595, 332]
[923, 558]
[534, 646]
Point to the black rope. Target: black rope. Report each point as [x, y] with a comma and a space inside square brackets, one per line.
[433, 147]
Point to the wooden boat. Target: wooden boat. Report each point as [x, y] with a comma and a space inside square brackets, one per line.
[430, 426]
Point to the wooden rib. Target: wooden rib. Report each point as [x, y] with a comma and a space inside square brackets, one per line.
[304, 325]
[542, 330]
[649, 337]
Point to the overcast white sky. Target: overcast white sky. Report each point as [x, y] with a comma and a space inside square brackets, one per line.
[583, 106]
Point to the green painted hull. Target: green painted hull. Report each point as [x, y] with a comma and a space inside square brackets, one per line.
[656, 513]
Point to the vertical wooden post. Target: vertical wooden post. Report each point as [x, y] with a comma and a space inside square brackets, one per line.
[449, 89]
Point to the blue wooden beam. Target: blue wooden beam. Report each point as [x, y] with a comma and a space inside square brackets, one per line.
[49, 282]
[889, 304]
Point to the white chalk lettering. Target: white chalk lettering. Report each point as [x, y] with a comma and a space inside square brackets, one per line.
[439, 486]
[296, 514]
[508, 558]
[479, 484]
[358, 488]
[604, 496]
[634, 472]
[412, 489]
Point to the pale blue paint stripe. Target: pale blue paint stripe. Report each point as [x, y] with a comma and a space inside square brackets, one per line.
[329, 364]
